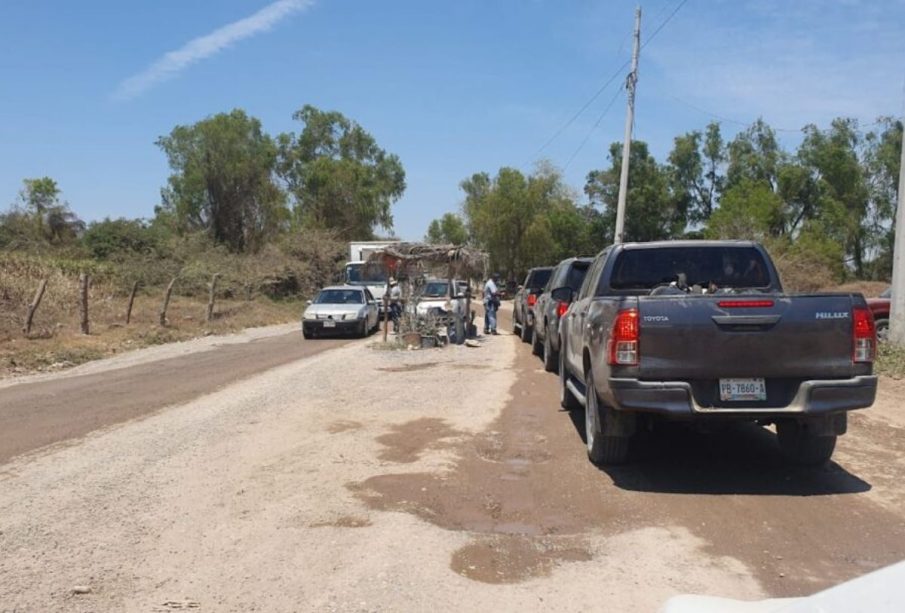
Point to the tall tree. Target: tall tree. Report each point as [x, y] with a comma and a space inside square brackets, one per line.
[652, 212]
[755, 155]
[695, 167]
[449, 229]
[223, 180]
[519, 220]
[52, 220]
[339, 178]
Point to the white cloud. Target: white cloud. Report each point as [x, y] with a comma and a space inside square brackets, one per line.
[203, 47]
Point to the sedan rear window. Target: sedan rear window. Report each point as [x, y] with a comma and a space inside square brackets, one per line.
[340, 296]
[724, 267]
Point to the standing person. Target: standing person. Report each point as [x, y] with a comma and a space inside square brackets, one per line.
[491, 304]
[395, 303]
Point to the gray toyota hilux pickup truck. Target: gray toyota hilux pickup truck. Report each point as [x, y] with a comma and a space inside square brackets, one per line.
[702, 331]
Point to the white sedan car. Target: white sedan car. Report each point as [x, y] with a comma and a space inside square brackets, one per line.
[341, 309]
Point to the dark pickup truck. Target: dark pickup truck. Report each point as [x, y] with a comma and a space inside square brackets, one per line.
[702, 331]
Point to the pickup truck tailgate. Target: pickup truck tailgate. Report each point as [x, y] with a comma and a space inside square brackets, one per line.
[781, 337]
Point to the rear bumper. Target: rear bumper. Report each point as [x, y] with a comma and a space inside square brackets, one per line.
[675, 398]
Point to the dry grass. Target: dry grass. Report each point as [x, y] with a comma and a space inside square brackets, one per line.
[57, 343]
[870, 289]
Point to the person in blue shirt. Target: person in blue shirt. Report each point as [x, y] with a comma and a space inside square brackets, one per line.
[491, 304]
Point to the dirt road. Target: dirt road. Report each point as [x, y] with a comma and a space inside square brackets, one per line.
[43, 412]
[363, 480]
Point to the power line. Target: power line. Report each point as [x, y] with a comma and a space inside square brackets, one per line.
[663, 24]
[592, 130]
[608, 82]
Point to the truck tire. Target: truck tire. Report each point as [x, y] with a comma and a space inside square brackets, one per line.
[526, 333]
[551, 358]
[537, 347]
[802, 447]
[603, 449]
[567, 399]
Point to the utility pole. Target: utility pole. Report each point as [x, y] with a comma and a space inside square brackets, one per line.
[897, 311]
[630, 84]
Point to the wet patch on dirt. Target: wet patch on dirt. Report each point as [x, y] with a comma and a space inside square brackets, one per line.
[406, 442]
[526, 479]
[408, 367]
[343, 425]
[512, 559]
[346, 521]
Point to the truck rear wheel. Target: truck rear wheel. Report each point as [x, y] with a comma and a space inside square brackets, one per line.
[567, 399]
[537, 347]
[803, 447]
[526, 333]
[551, 359]
[603, 448]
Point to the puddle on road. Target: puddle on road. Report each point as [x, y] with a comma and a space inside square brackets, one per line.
[512, 559]
[406, 442]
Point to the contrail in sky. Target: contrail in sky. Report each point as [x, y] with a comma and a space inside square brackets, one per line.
[197, 49]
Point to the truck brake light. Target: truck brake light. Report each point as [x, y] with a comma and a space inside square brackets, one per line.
[561, 309]
[864, 335]
[624, 340]
[745, 304]
[532, 299]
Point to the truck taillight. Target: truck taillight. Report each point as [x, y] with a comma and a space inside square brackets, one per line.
[561, 308]
[532, 299]
[624, 340]
[864, 335]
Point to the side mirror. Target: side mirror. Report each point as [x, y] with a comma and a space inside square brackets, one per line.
[372, 302]
[459, 296]
[563, 294]
[309, 302]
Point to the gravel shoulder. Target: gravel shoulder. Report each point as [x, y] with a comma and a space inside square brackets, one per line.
[255, 497]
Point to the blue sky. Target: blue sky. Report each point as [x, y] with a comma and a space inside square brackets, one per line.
[451, 87]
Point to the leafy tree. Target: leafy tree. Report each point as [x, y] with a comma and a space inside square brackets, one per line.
[694, 166]
[339, 178]
[49, 219]
[843, 202]
[652, 212]
[449, 229]
[223, 181]
[521, 221]
[748, 210]
[754, 155]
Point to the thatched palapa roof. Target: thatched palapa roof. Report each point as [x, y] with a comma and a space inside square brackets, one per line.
[459, 261]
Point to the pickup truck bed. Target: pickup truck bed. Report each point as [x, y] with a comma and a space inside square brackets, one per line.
[673, 330]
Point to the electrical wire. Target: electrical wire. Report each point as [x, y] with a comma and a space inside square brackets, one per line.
[608, 82]
[592, 130]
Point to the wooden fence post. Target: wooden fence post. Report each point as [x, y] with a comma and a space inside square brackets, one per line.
[211, 296]
[35, 303]
[83, 302]
[131, 302]
[166, 302]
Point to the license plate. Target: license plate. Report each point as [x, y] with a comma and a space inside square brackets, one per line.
[329, 323]
[739, 390]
